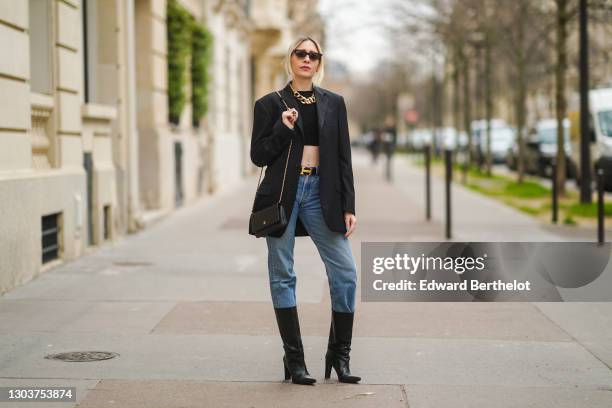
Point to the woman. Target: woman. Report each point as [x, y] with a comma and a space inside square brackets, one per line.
[318, 196]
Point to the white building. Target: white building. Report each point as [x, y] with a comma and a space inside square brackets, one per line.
[87, 151]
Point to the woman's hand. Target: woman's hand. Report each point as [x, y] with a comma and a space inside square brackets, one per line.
[350, 221]
[289, 117]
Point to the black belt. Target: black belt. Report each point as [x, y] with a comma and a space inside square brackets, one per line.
[309, 171]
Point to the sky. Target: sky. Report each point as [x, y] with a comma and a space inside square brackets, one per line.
[354, 34]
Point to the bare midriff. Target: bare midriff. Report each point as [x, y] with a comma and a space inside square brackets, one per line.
[310, 156]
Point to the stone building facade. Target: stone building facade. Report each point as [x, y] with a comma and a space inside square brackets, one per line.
[87, 153]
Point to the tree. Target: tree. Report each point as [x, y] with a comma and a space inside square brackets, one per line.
[563, 17]
[523, 28]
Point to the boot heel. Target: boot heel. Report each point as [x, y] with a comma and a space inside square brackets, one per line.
[287, 373]
[328, 367]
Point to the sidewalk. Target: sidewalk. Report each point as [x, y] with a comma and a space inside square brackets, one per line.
[476, 217]
[186, 304]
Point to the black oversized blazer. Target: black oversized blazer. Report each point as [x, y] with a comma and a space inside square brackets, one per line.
[269, 147]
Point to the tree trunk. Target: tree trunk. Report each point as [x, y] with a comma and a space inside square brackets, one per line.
[560, 104]
[467, 111]
[456, 96]
[478, 111]
[457, 63]
[522, 91]
[488, 101]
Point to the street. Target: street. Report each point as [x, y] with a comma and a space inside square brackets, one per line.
[186, 305]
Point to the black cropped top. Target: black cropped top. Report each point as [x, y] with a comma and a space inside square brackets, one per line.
[310, 120]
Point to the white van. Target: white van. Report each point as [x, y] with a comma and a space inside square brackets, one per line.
[502, 138]
[600, 105]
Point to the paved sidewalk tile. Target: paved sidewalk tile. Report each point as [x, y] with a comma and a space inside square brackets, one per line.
[192, 394]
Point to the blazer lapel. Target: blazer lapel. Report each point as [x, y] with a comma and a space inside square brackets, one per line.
[322, 105]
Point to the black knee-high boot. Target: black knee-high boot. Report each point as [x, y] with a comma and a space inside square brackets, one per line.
[293, 360]
[339, 347]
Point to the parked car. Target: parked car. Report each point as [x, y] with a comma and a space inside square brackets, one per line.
[452, 140]
[541, 148]
[402, 140]
[512, 156]
[502, 139]
[479, 139]
[419, 138]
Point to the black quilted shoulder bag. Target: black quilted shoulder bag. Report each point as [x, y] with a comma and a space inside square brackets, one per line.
[271, 218]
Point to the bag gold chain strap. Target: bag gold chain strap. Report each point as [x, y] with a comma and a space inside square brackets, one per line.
[286, 163]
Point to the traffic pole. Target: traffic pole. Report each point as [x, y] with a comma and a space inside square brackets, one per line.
[600, 206]
[448, 163]
[585, 134]
[555, 195]
[427, 151]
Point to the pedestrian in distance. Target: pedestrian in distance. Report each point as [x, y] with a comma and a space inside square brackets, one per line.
[314, 181]
[376, 144]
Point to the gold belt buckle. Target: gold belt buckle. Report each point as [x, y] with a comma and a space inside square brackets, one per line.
[306, 170]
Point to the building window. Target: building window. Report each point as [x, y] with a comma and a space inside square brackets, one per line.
[50, 237]
[89, 27]
[40, 16]
[100, 59]
[228, 90]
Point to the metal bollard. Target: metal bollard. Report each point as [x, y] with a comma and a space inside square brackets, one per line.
[448, 164]
[555, 198]
[427, 151]
[388, 167]
[465, 167]
[600, 206]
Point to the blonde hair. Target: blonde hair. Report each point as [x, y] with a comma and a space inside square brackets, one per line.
[318, 76]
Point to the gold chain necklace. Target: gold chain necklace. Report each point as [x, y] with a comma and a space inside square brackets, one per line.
[302, 98]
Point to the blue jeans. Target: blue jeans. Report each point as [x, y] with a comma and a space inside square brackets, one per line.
[333, 247]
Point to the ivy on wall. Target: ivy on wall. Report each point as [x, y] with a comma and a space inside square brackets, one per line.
[188, 44]
[201, 43]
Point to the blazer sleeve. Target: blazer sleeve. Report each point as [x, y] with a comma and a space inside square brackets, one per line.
[346, 166]
[269, 138]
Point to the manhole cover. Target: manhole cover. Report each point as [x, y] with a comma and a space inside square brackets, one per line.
[82, 356]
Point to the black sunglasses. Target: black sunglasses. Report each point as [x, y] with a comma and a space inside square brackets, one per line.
[314, 56]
